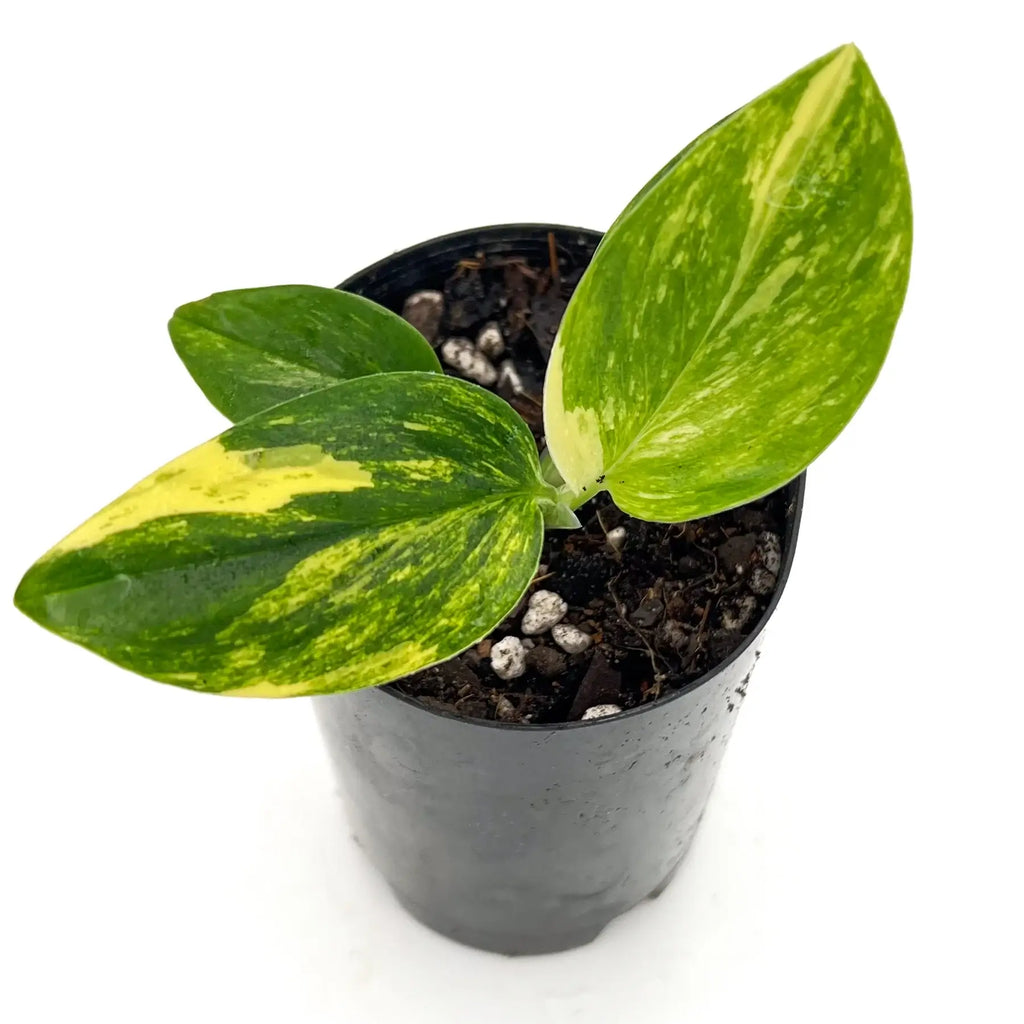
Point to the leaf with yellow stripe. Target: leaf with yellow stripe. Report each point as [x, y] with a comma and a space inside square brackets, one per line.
[255, 347]
[343, 539]
[738, 311]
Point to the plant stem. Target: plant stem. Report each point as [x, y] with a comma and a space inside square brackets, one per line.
[571, 499]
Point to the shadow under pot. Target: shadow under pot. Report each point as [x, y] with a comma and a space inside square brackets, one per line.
[529, 838]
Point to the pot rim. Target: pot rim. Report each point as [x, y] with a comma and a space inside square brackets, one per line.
[463, 236]
[789, 537]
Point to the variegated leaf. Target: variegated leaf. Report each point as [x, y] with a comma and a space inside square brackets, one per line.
[339, 540]
[253, 348]
[736, 314]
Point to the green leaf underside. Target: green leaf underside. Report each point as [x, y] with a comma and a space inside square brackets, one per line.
[739, 310]
[253, 348]
[312, 548]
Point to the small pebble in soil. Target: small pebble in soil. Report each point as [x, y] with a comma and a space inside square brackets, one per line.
[508, 658]
[490, 341]
[761, 580]
[570, 638]
[600, 711]
[424, 311]
[545, 610]
[461, 355]
[616, 538]
[769, 550]
[505, 710]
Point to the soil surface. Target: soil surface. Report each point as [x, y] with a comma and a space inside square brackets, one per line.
[661, 604]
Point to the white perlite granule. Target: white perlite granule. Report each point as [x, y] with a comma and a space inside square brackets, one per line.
[508, 658]
[570, 638]
[462, 355]
[601, 711]
[545, 610]
[761, 580]
[769, 547]
[424, 311]
[510, 375]
[490, 341]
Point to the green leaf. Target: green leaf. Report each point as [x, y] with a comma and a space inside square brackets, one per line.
[339, 540]
[251, 349]
[736, 314]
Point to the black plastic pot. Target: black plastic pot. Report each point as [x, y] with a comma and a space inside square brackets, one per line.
[528, 838]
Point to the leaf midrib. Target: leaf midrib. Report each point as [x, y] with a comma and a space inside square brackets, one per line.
[739, 279]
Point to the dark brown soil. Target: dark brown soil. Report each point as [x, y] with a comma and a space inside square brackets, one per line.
[662, 607]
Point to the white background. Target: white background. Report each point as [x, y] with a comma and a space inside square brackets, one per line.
[173, 857]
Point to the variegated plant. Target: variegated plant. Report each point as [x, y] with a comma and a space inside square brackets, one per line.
[368, 516]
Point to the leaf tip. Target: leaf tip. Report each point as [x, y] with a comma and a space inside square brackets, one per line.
[30, 601]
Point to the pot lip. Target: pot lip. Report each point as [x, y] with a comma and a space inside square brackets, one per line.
[482, 233]
[798, 484]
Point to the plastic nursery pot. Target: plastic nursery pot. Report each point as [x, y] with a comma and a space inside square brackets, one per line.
[529, 838]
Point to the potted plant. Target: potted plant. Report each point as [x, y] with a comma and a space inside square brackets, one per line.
[370, 519]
